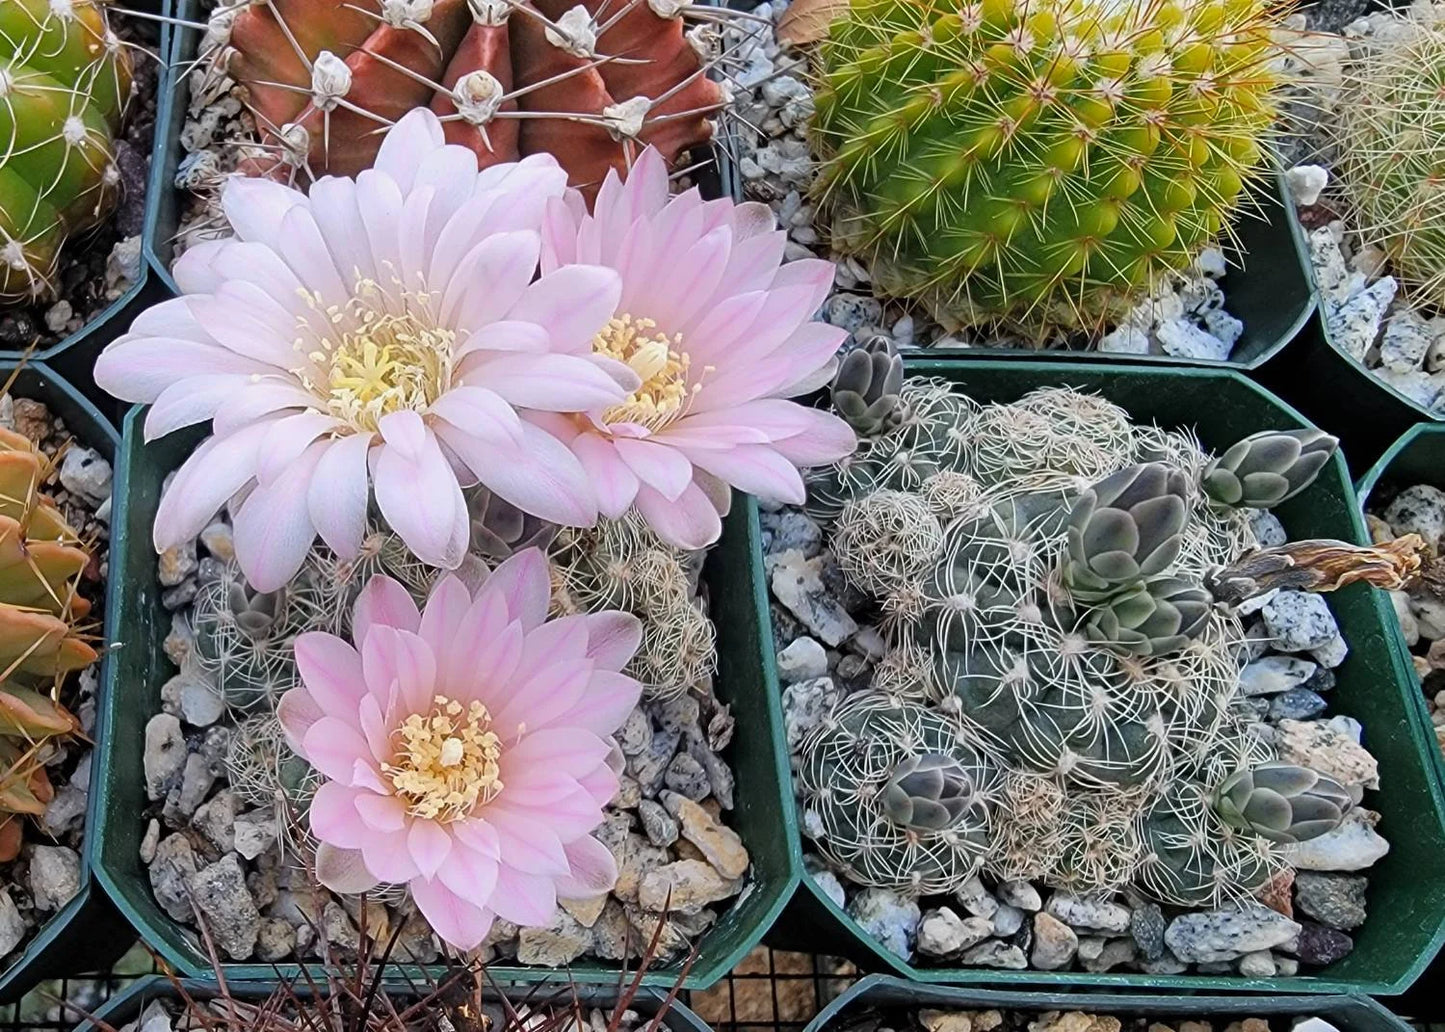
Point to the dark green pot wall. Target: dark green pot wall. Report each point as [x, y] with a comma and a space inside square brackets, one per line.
[130, 1004]
[1346, 1013]
[86, 934]
[763, 816]
[1376, 686]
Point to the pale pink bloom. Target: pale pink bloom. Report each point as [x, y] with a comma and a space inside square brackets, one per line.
[465, 747]
[381, 331]
[719, 331]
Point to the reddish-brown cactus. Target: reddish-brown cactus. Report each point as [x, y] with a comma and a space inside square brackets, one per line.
[590, 83]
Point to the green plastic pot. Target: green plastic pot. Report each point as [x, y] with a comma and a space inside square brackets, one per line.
[1375, 685]
[1346, 1013]
[86, 934]
[128, 1006]
[763, 815]
[74, 357]
[1267, 286]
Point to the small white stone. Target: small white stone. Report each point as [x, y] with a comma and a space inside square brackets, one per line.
[1306, 182]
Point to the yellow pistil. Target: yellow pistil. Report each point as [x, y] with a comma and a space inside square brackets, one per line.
[659, 362]
[381, 352]
[445, 764]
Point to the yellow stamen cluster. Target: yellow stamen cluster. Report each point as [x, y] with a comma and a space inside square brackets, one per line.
[658, 361]
[380, 352]
[445, 764]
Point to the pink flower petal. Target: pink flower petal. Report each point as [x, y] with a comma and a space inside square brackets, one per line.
[190, 401]
[524, 584]
[273, 527]
[343, 870]
[407, 144]
[529, 900]
[297, 711]
[334, 818]
[258, 397]
[660, 467]
[572, 304]
[336, 206]
[611, 696]
[593, 870]
[137, 368]
[290, 437]
[381, 202]
[460, 924]
[400, 671]
[480, 413]
[612, 638]
[383, 813]
[559, 235]
[476, 834]
[337, 497]
[383, 603]
[551, 383]
[526, 843]
[256, 208]
[505, 262]
[388, 859]
[646, 188]
[544, 695]
[472, 875]
[539, 475]
[568, 750]
[331, 671]
[690, 522]
[446, 609]
[488, 647]
[417, 492]
[612, 479]
[428, 843]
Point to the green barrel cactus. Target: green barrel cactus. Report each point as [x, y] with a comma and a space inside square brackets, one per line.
[1038, 164]
[65, 80]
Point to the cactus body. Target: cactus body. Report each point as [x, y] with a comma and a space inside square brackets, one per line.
[1267, 468]
[506, 79]
[1389, 131]
[1037, 164]
[65, 81]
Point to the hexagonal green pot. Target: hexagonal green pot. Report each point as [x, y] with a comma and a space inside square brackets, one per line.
[1375, 685]
[138, 667]
[86, 934]
[880, 992]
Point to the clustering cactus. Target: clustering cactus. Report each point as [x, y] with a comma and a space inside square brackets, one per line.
[866, 388]
[1038, 164]
[1071, 629]
[66, 81]
[1389, 126]
[622, 564]
[591, 84]
[41, 640]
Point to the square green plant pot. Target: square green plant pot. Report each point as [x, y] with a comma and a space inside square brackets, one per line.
[74, 357]
[138, 667]
[86, 934]
[1418, 457]
[1375, 685]
[129, 1005]
[1346, 1013]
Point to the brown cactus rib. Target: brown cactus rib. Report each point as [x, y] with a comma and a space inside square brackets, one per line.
[670, 60]
[586, 150]
[484, 48]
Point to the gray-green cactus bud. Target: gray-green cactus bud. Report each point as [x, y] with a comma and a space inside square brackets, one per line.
[866, 389]
[1124, 529]
[1151, 619]
[1267, 468]
[931, 792]
[1282, 802]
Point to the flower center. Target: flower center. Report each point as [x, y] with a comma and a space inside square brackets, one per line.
[445, 764]
[379, 353]
[657, 360]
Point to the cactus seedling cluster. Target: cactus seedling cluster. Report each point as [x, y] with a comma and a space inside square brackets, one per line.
[1063, 655]
[41, 642]
[591, 84]
[1038, 165]
[65, 81]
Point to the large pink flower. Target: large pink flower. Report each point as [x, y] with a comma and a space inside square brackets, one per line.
[383, 330]
[465, 747]
[719, 331]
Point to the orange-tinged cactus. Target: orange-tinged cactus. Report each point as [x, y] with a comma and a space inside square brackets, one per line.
[587, 83]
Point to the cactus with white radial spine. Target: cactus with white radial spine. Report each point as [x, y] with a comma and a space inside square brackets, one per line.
[901, 798]
[1038, 164]
[65, 82]
[1067, 633]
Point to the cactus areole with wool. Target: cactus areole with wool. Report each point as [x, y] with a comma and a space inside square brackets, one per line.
[65, 81]
[1038, 164]
[592, 84]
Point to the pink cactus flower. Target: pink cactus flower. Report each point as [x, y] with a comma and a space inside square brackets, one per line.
[465, 747]
[382, 331]
[719, 332]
